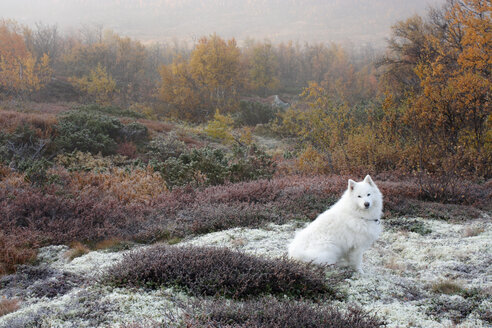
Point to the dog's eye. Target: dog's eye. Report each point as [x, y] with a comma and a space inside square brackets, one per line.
[368, 194]
[359, 196]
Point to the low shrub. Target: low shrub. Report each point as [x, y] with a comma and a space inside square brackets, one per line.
[207, 166]
[162, 148]
[88, 132]
[42, 124]
[15, 250]
[218, 271]
[93, 132]
[253, 113]
[250, 163]
[80, 161]
[135, 132]
[22, 147]
[268, 312]
[111, 110]
[139, 185]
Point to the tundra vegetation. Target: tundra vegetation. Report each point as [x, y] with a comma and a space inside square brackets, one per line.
[107, 143]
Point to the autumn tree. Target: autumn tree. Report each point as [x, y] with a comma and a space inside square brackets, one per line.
[212, 79]
[448, 111]
[99, 86]
[180, 89]
[216, 68]
[263, 68]
[20, 71]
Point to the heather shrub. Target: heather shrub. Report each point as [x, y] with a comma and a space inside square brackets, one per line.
[218, 271]
[253, 113]
[14, 251]
[52, 215]
[268, 312]
[88, 132]
[127, 149]
[205, 218]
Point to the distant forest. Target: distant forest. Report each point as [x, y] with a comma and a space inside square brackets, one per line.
[423, 105]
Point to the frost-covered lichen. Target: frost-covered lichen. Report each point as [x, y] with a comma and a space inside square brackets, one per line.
[401, 269]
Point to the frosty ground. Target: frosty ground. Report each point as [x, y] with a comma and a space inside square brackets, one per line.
[405, 271]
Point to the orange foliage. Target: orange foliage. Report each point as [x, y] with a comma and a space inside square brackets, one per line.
[42, 124]
[128, 186]
[19, 69]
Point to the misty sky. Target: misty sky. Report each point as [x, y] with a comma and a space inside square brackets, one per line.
[363, 21]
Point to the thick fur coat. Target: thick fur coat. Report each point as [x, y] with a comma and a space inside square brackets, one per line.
[345, 230]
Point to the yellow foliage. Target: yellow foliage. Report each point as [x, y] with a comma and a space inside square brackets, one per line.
[210, 80]
[220, 127]
[310, 161]
[99, 85]
[19, 69]
[246, 135]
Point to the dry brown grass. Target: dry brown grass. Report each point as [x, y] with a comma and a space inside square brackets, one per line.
[472, 231]
[394, 265]
[138, 185]
[42, 124]
[8, 306]
[448, 287]
[77, 249]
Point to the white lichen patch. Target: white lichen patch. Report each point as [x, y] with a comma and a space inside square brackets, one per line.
[401, 269]
[271, 242]
[89, 265]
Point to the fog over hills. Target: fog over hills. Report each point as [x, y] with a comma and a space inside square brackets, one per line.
[357, 21]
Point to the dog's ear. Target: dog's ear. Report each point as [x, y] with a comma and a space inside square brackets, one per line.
[368, 180]
[351, 184]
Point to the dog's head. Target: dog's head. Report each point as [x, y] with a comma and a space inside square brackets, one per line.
[365, 193]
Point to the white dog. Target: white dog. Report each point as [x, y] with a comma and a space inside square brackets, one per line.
[345, 230]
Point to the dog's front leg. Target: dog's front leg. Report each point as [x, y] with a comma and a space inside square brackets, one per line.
[355, 259]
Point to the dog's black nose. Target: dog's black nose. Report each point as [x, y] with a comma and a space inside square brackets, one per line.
[366, 204]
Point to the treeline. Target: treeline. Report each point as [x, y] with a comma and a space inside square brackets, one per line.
[422, 107]
[104, 67]
[433, 116]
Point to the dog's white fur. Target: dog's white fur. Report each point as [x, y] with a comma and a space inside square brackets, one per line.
[345, 230]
